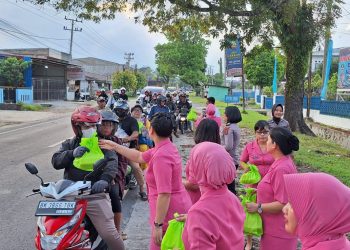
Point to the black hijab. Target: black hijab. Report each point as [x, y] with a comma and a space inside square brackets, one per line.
[274, 107]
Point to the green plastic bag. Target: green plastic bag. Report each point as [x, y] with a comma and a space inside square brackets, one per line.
[192, 115]
[252, 176]
[253, 222]
[86, 162]
[172, 239]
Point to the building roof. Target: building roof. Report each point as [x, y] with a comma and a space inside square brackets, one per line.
[320, 52]
[93, 61]
[38, 53]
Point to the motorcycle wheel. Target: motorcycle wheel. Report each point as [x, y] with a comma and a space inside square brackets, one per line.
[182, 128]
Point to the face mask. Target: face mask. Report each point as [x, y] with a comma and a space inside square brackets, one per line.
[88, 133]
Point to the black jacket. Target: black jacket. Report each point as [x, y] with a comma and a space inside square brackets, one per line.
[63, 159]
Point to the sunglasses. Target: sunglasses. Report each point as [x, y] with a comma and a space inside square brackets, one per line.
[263, 132]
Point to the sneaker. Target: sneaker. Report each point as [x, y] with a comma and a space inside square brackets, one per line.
[143, 196]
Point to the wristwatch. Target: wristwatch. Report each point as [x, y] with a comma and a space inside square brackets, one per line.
[260, 208]
[158, 224]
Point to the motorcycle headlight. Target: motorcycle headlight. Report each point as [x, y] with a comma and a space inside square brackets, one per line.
[49, 242]
[183, 119]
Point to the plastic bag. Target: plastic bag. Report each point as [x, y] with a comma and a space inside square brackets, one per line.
[252, 176]
[253, 222]
[87, 161]
[192, 115]
[172, 239]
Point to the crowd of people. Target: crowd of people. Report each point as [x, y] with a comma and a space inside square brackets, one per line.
[311, 207]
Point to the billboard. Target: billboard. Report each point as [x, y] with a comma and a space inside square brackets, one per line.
[233, 59]
[344, 69]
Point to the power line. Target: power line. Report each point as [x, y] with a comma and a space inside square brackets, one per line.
[43, 37]
[72, 30]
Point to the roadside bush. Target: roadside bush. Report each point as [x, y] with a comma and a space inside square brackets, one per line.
[31, 107]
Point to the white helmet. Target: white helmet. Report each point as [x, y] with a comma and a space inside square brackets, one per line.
[122, 88]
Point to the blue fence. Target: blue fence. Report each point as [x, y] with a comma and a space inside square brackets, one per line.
[258, 99]
[315, 102]
[1, 95]
[231, 99]
[335, 108]
[280, 99]
[268, 102]
[247, 94]
[24, 95]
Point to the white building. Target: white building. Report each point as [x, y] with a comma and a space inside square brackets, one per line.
[317, 58]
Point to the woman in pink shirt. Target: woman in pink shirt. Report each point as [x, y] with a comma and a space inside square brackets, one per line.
[166, 194]
[208, 130]
[216, 220]
[255, 152]
[318, 211]
[271, 195]
[210, 114]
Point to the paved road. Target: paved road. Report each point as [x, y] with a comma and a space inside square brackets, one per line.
[34, 142]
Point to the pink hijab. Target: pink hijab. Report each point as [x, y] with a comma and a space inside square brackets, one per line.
[210, 112]
[210, 166]
[321, 204]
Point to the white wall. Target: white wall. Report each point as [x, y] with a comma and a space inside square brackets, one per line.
[334, 121]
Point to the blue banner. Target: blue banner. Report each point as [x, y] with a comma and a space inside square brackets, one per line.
[344, 69]
[233, 59]
[328, 69]
[274, 81]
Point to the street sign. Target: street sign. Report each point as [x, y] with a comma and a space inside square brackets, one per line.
[344, 69]
[231, 99]
[233, 58]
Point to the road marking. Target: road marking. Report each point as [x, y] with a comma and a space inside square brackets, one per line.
[30, 126]
[58, 143]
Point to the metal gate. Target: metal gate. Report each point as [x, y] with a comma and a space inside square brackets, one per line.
[48, 89]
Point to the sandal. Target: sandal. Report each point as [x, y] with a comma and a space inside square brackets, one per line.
[124, 236]
[143, 196]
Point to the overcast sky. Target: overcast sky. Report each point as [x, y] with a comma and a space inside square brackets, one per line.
[107, 40]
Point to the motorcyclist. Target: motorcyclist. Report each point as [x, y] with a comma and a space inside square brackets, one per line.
[101, 103]
[183, 107]
[106, 130]
[130, 126]
[113, 98]
[146, 99]
[122, 94]
[159, 108]
[103, 94]
[154, 98]
[172, 108]
[70, 157]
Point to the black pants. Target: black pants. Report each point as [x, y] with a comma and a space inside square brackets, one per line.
[115, 198]
[232, 185]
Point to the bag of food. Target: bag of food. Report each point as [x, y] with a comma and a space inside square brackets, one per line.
[172, 239]
[252, 176]
[253, 222]
[192, 115]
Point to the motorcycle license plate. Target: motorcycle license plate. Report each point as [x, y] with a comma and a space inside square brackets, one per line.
[55, 208]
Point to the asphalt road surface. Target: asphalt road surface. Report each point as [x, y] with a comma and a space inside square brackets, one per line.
[31, 142]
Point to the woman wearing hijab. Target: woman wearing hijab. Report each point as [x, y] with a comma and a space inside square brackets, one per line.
[210, 114]
[318, 211]
[208, 130]
[277, 120]
[271, 195]
[216, 220]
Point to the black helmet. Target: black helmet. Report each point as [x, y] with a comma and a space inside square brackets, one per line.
[160, 99]
[182, 94]
[121, 108]
[168, 95]
[108, 116]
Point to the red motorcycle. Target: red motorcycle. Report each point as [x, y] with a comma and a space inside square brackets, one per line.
[62, 220]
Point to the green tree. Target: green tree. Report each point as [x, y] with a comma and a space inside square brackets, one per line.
[316, 84]
[267, 90]
[12, 69]
[126, 79]
[332, 87]
[259, 66]
[183, 56]
[141, 80]
[297, 24]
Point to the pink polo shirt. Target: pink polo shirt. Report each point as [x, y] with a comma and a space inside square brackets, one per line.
[253, 154]
[215, 222]
[164, 175]
[270, 189]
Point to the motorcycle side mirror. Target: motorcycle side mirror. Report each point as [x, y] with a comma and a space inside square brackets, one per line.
[31, 168]
[34, 171]
[137, 102]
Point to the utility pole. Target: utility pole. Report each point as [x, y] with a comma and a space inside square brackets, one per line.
[128, 57]
[72, 29]
[327, 36]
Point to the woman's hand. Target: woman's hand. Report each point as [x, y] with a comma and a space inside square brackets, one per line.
[252, 207]
[157, 235]
[107, 144]
[181, 217]
[225, 130]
